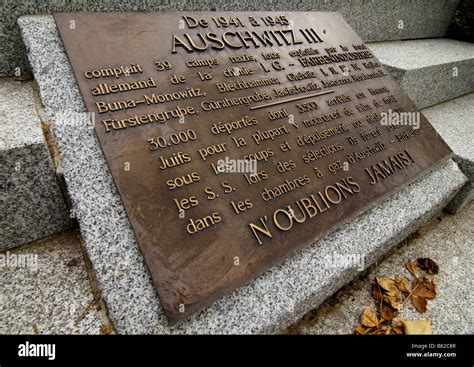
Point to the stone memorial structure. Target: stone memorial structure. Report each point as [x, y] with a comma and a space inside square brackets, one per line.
[250, 136]
[218, 164]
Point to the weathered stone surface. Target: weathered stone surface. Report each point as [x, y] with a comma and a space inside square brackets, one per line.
[454, 120]
[31, 203]
[272, 301]
[449, 241]
[372, 19]
[45, 289]
[430, 71]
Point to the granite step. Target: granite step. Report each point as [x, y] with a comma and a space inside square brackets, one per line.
[46, 288]
[454, 121]
[430, 71]
[449, 241]
[373, 20]
[31, 203]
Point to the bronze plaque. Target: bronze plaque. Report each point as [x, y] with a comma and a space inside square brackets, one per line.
[236, 138]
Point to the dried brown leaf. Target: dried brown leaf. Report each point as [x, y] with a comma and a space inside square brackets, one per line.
[386, 283]
[426, 289]
[387, 313]
[419, 303]
[377, 331]
[361, 330]
[428, 265]
[368, 317]
[412, 268]
[398, 327]
[376, 293]
[395, 293]
[402, 284]
[390, 287]
[392, 301]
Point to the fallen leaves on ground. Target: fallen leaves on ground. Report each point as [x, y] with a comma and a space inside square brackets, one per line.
[390, 287]
[402, 284]
[419, 303]
[428, 265]
[387, 313]
[368, 318]
[411, 266]
[391, 295]
[426, 289]
[398, 327]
